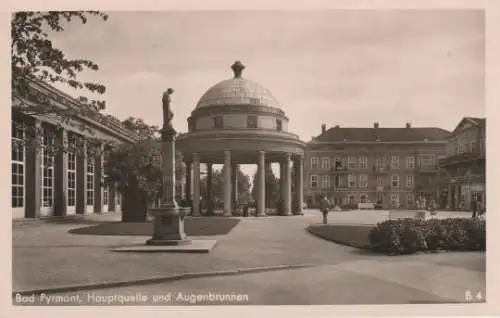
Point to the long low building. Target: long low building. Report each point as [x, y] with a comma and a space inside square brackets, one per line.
[59, 183]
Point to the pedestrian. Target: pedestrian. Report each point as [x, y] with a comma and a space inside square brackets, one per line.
[324, 206]
[474, 207]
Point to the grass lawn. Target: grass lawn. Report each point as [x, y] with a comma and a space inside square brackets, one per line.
[350, 235]
[192, 227]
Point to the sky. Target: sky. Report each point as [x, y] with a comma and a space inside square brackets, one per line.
[339, 67]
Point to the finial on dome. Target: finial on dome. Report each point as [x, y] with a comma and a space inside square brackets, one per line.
[237, 68]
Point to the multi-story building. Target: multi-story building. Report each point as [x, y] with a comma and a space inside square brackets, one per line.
[465, 164]
[389, 166]
[60, 183]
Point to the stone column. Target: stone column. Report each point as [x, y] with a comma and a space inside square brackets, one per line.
[282, 182]
[227, 183]
[299, 183]
[196, 185]
[287, 199]
[234, 177]
[449, 197]
[33, 181]
[188, 180]
[61, 174]
[210, 195]
[98, 179]
[81, 177]
[261, 184]
[112, 196]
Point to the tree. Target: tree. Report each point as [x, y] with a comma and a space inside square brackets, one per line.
[35, 59]
[272, 187]
[218, 184]
[136, 168]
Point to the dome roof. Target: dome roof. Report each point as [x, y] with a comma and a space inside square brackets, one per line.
[237, 91]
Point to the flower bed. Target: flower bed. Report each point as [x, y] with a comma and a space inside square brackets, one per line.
[407, 236]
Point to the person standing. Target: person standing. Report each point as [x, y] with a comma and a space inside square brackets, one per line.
[474, 207]
[324, 206]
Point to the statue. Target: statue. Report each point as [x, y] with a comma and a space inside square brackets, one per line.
[167, 112]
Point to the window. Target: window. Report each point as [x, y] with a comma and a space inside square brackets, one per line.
[218, 122]
[395, 162]
[339, 163]
[363, 181]
[324, 181]
[314, 181]
[90, 180]
[105, 195]
[351, 199]
[410, 200]
[337, 181]
[363, 197]
[381, 164]
[409, 182]
[410, 162]
[325, 163]
[473, 146]
[380, 181]
[314, 163]
[251, 121]
[380, 197]
[460, 147]
[352, 162]
[18, 159]
[72, 146]
[351, 181]
[47, 165]
[363, 162]
[427, 160]
[395, 181]
[395, 200]
[279, 125]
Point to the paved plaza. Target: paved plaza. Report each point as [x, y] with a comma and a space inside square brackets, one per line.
[294, 267]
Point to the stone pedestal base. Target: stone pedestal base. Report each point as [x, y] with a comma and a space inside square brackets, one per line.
[168, 226]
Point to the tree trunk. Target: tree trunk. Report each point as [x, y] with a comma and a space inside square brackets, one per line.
[134, 208]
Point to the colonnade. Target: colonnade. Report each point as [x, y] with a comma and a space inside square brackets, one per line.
[230, 187]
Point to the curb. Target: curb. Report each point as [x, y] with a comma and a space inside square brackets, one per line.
[159, 279]
[20, 222]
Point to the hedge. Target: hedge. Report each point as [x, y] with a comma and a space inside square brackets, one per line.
[407, 236]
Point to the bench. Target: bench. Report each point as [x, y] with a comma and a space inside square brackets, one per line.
[366, 206]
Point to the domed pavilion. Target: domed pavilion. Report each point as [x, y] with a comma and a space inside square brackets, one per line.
[237, 121]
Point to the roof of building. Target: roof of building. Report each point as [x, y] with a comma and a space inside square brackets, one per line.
[237, 91]
[478, 120]
[398, 134]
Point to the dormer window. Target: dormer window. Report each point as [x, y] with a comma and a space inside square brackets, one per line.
[279, 125]
[218, 122]
[252, 122]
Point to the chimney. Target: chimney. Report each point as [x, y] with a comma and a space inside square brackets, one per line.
[323, 128]
[375, 125]
[408, 125]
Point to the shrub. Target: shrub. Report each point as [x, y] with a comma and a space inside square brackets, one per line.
[406, 236]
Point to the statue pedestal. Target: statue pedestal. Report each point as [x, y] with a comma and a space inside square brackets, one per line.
[168, 226]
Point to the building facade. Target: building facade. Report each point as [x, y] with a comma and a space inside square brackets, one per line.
[47, 181]
[465, 164]
[388, 166]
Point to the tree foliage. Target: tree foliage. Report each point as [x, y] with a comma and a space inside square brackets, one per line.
[34, 59]
[218, 184]
[136, 168]
[272, 192]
